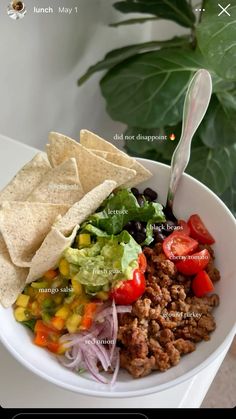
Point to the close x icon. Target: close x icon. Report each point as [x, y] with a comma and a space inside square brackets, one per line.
[224, 9]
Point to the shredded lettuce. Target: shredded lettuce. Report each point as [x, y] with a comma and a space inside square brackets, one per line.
[118, 210]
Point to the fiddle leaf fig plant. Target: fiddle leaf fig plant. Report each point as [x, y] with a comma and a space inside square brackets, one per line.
[144, 86]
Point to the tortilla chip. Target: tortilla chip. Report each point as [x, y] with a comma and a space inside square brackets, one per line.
[92, 141]
[100, 146]
[93, 170]
[12, 278]
[78, 213]
[64, 230]
[49, 253]
[117, 158]
[26, 179]
[60, 185]
[24, 225]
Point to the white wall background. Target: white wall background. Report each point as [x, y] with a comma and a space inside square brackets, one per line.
[41, 58]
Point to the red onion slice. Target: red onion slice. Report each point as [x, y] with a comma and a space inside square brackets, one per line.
[88, 349]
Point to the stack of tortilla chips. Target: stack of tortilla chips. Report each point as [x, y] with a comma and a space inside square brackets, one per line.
[43, 206]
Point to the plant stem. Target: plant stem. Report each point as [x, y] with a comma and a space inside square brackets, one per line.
[201, 13]
[193, 30]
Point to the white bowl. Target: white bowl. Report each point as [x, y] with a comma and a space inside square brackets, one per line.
[192, 197]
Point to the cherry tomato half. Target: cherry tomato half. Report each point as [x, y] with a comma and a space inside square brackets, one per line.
[202, 284]
[199, 231]
[130, 290]
[191, 265]
[142, 262]
[178, 244]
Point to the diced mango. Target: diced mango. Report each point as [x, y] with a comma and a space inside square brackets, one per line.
[75, 303]
[78, 301]
[32, 292]
[102, 295]
[19, 314]
[58, 299]
[73, 323]
[35, 309]
[58, 322]
[83, 240]
[63, 312]
[22, 300]
[61, 350]
[64, 267]
[77, 287]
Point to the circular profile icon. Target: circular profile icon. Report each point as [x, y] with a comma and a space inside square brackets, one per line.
[16, 10]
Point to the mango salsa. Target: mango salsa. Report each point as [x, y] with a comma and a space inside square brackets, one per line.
[22, 300]
[64, 267]
[83, 240]
[73, 323]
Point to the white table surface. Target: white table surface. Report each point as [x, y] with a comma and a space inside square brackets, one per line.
[20, 388]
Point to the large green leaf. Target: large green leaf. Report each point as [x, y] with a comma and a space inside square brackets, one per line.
[218, 128]
[216, 37]
[118, 55]
[148, 90]
[177, 10]
[138, 143]
[214, 168]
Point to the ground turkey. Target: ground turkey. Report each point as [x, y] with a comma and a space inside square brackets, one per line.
[168, 320]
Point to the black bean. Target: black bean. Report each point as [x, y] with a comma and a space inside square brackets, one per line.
[156, 228]
[140, 199]
[132, 233]
[129, 224]
[159, 238]
[143, 230]
[150, 194]
[139, 237]
[138, 226]
[129, 227]
[160, 227]
[135, 191]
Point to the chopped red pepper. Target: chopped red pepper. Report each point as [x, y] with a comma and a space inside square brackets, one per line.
[87, 318]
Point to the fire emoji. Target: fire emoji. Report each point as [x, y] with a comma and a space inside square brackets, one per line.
[172, 137]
